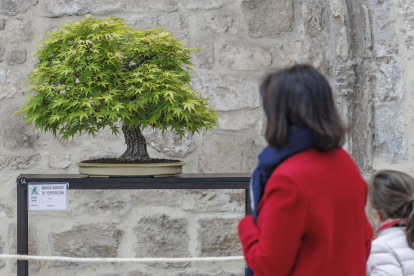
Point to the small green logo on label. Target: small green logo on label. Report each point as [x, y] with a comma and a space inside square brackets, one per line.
[34, 190]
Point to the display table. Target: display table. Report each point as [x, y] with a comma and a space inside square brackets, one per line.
[80, 182]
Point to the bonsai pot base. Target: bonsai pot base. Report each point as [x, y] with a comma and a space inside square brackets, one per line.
[128, 169]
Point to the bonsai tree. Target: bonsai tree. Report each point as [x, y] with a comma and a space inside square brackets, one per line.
[94, 74]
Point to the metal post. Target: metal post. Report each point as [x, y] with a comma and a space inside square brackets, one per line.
[248, 209]
[22, 226]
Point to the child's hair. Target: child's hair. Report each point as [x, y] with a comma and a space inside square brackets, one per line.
[391, 194]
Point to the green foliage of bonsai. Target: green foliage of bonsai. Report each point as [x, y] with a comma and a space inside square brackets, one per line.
[93, 73]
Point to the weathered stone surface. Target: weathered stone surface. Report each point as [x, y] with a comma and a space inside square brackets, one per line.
[6, 208]
[2, 24]
[390, 132]
[383, 33]
[138, 273]
[304, 51]
[228, 154]
[16, 56]
[312, 21]
[2, 243]
[13, 7]
[228, 92]
[85, 240]
[59, 161]
[15, 132]
[245, 57]
[33, 245]
[18, 161]
[109, 274]
[218, 237]
[169, 143]
[9, 83]
[223, 21]
[176, 23]
[204, 5]
[203, 274]
[80, 7]
[389, 81]
[236, 120]
[2, 52]
[204, 57]
[115, 203]
[268, 17]
[162, 236]
[156, 197]
[19, 30]
[407, 25]
[213, 201]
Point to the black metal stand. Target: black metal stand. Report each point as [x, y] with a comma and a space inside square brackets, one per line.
[79, 182]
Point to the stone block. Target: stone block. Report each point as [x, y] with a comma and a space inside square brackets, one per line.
[213, 201]
[138, 273]
[18, 161]
[218, 237]
[86, 240]
[268, 17]
[306, 51]
[114, 202]
[9, 83]
[59, 161]
[59, 8]
[312, 21]
[16, 133]
[169, 143]
[390, 132]
[223, 153]
[237, 120]
[204, 5]
[204, 57]
[407, 25]
[224, 20]
[239, 57]
[389, 81]
[175, 22]
[13, 7]
[228, 92]
[383, 33]
[161, 236]
[2, 52]
[203, 274]
[2, 24]
[19, 30]
[33, 246]
[6, 208]
[169, 198]
[16, 56]
[2, 243]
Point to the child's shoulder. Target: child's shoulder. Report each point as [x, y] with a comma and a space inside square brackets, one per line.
[390, 238]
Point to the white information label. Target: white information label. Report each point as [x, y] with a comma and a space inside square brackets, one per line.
[48, 196]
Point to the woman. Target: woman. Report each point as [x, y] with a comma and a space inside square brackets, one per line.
[308, 196]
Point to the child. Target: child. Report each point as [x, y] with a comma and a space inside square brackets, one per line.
[391, 196]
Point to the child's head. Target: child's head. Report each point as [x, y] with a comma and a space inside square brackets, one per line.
[301, 96]
[391, 194]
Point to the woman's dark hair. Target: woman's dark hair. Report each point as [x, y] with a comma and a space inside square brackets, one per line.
[391, 194]
[301, 96]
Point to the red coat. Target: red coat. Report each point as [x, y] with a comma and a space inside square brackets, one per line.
[311, 219]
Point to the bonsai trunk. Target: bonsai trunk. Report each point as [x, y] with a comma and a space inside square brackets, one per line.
[136, 144]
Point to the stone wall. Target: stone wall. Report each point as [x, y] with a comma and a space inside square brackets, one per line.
[365, 49]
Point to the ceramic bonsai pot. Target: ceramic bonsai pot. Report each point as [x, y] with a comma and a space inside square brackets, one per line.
[150, 169]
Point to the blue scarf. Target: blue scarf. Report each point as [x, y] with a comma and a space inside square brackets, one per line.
[298, 139]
